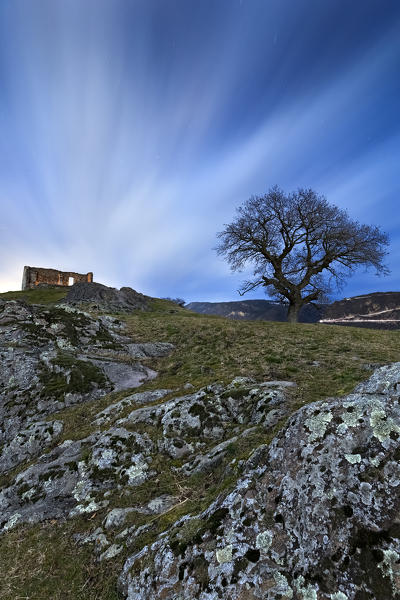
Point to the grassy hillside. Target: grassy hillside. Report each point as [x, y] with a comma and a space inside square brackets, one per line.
[37, 296]
[43, 561]
[323, 360]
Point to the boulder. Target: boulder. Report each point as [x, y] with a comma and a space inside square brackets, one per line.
[314, 516]
[106, 298]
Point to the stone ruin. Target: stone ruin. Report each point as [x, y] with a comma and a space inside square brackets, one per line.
[34, 276]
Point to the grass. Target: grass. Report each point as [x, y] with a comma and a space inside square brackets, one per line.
[42, 561]
[36, 296]
[324, 360]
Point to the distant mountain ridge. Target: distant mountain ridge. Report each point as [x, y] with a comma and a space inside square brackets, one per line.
[255, 310]
[378, 310]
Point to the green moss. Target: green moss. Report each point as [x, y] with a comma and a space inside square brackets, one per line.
[199, 411]
[24, 487]
[72, 465]
[192, 531]
[104, 338]
[188, 534]
[108, 474]
[73, 322]
[65, 360]
[55, 473]
[239, 565]
[84, 375]
[214, 521]
[80, 377]
[236, 393]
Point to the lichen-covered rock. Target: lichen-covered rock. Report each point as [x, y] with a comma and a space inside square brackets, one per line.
[28, 443]
[55, 357]
[77, 477]
[203, 463]
[116, 517]
[46, 489]
[191, 422]
[114, 410]
[72, 479]
[315, 516]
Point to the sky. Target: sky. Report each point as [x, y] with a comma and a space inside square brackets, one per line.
[130, 130]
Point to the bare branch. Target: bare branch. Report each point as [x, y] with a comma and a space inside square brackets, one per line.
[300, 246]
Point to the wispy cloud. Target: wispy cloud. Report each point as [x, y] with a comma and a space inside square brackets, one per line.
[131, 130]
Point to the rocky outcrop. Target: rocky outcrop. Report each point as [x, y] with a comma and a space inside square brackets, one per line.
[314, 516]
[77, 477]
[108, 299]
[55, 357]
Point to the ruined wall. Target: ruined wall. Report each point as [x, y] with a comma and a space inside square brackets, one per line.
[33, 276]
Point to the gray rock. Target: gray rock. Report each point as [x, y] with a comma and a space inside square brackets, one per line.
[45, 490]
[385, 380]
[111, 552]
[77, 477]
[130, 534]
[125, 376]
[114, 410]
[314, 516]
[158, 505]
[207, 416]
[64, 482]
[101, 545]
[57, 356]
[117, 517]
[106, 298]
[97, 538]
[29, 442]
[204, 463]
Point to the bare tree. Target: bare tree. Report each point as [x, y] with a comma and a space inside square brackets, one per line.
[300, 246]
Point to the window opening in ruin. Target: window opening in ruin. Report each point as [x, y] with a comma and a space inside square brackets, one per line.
[34, 276]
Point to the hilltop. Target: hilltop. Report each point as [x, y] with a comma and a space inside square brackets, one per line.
[96, 464]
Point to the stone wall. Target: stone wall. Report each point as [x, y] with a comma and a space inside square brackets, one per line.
[34, 276]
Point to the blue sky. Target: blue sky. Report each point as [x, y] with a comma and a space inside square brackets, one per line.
[130, 130]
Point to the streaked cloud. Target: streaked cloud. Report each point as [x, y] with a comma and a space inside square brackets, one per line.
[130, 130]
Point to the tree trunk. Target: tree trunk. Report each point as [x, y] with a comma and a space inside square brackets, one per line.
[293, 312]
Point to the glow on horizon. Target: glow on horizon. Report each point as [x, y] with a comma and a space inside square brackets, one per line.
[131, 130]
